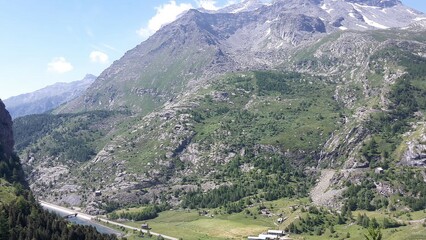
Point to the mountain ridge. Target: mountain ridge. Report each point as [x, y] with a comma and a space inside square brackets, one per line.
[47, 98]
[276, 28]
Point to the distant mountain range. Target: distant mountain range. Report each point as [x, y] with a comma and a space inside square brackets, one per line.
[47, 98]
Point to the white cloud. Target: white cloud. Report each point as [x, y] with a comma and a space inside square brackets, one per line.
[213, 4]
[59, 65]
[165, 14]
[98, 57]
[208, 4]
[230, 2]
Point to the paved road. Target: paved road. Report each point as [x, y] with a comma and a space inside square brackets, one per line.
[92, 218]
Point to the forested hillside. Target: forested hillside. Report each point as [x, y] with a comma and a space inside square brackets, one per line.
[21, 217]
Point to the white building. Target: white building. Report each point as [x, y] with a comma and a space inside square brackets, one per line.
[278, 233]
[269, 236]
[256, 238]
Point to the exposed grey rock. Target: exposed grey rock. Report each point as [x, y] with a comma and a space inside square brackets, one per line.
[378, 3]
[72, 199]
[6, 133]
[415, 155]
[220, 96]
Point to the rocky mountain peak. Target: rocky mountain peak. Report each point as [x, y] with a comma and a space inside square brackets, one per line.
[244, 6]
[290, 3]
[6, 133]
[89, 77]
[376, 3]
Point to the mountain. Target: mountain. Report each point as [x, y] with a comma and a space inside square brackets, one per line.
[200, 45]
[232, 112]
[21, 217]
[47, 98]
[244, 6]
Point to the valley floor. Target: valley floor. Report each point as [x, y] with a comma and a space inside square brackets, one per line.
[212, 224]
[99, 219]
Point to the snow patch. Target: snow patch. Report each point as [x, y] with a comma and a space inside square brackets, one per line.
[325, 8]
[343, 28]
[419, 18]
[408, 10]
[356, 7]
[366, 6]
[374, 24]
[362, 26]
[246, 6]
[351, 14]
[268, 31]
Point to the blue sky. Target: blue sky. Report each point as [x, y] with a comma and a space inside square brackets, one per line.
[48, 41]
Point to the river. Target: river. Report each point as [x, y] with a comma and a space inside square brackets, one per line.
[81, 221]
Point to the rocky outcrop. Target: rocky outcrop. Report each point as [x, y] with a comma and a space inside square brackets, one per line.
[415, 154]
[377, 3]
[6, 133]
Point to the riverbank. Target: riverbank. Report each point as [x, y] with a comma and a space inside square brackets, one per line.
[81, 218]
[95, 218]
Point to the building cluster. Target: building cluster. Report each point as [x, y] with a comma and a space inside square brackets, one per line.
[271, 235]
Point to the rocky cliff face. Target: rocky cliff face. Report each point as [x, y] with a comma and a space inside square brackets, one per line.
[415, 152]
[6, 133]
[377, 3]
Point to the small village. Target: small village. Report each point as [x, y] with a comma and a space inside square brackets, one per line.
[271, 234]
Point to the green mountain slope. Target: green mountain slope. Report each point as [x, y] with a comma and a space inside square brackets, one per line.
[241, 124]
[21, 217]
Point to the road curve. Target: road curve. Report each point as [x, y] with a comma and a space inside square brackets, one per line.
[94, 218]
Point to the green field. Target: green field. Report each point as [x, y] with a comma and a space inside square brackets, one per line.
[215, 224]
[411, 232]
